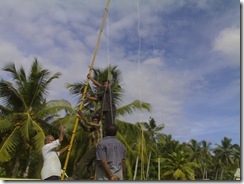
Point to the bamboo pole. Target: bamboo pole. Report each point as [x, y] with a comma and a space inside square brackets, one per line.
[84, 92]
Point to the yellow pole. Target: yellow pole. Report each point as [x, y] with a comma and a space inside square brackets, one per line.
[84, 92]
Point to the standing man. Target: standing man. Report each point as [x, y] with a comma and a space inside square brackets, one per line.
[111, 154]
[95, 128]
[51, 169]
[106, 99]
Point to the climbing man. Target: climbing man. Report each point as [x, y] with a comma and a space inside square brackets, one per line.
[95, 128]
[106, 99]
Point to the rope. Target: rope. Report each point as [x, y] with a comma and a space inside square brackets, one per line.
[108, 53]
[84, 92]
[139, 51]
[139, 74]
[108, 77]
[108, 50]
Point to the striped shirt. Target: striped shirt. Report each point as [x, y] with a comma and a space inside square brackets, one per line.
[114, 152]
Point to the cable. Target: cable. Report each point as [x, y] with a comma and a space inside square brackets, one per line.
[139, 51]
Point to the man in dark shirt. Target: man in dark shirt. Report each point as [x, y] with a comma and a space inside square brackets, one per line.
[107, 101]
[95, 127]
[110, 155]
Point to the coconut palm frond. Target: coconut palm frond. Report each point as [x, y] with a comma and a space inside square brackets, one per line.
[38, 138]
[135, 105]
[5, 124]
[11, 97]
[9, 145]
[67, 121]
[53, 107]
[4, 111]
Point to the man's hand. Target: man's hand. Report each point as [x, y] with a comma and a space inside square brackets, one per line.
[89, 76]
[114, 177]
[61, 128]
[80, 113]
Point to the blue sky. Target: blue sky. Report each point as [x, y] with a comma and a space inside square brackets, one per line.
[181, 56]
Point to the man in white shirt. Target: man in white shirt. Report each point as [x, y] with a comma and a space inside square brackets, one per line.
[51, 169]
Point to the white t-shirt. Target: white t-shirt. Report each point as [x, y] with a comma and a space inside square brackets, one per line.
[51, 164]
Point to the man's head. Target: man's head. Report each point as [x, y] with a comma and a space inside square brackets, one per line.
[111, 130]
[48, 139]
[95, 119]
[106, 82]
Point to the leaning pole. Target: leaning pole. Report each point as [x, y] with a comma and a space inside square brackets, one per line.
[84, 92]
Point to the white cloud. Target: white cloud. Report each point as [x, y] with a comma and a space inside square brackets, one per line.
[153, 61]
[63, 37]
[228, 42]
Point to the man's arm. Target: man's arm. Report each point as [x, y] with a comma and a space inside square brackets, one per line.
[94, 81]
[107, 171]
[88, 128]
[82, 116]
[64, 149]
[61, 133]
[124, 167]
[91, 97]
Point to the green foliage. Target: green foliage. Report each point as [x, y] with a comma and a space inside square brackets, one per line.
[26, 117]
[24, 114]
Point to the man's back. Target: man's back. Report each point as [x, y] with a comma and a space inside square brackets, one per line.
[113, 151]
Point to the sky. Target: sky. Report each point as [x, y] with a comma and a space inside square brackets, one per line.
[181, 56]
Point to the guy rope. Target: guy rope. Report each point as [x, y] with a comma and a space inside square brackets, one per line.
[84, 92]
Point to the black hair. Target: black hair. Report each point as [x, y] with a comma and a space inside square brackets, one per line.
[106, 80]
[111, 130]
[96, 117]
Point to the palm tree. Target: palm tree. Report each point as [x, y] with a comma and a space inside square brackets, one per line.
[25, 114]
[236, 155]
[153, 130]
[201, 155]
[129, 134]
[205, 157]
[196, 155]
[224, 153]
[178, 165]
[196, 149]
[113, 74]
[125, 134]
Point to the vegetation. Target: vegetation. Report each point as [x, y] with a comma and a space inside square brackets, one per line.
[26, 117]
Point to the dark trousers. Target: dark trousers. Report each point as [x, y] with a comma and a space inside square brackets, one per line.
[85, 161]
[53, 178]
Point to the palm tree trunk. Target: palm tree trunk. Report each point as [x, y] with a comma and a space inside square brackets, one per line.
[159, 174]
[216, 175]
[16, 167]
[203, 174]
[26, 173]
[142, 146]
[204, 171]
[222, 172]
[135, 173]
[148, 164]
